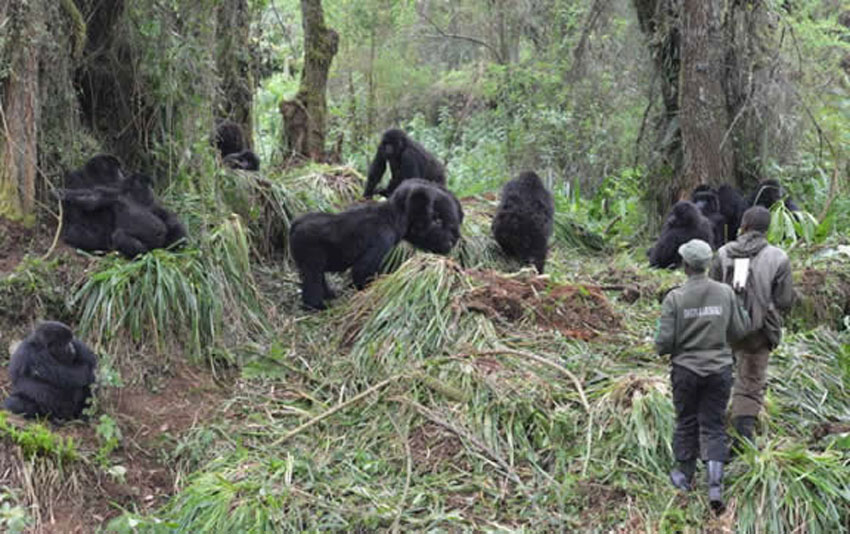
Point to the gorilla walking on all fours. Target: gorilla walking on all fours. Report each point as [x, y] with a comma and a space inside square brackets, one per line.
[51, 374]
[684, 222]
[359, 238]
[523, 223]
[407, 159]
[231, 145]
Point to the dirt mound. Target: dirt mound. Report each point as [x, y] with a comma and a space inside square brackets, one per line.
[577, 311]
[823, 297]
[15, 240]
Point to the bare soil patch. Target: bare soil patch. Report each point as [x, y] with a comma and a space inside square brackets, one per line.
[577, 311]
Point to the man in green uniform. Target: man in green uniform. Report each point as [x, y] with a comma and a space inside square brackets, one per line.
[767, 292]
[698, 320]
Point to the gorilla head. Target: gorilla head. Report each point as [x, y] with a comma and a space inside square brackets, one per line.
[434, 215]
[229, 138]
[56, 337]
[683, 223]
[705, 199]
[393, 142]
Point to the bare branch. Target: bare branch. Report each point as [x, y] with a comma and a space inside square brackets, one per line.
[467, 38]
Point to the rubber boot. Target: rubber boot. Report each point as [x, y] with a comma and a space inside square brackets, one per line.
[744, 426]
[682, 475]
[715, 486]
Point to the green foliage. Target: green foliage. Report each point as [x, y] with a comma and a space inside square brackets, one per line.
[788, 227]
[36, 440]
[14, 518]
[110, 438]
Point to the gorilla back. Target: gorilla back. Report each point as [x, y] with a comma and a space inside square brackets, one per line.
[684, 222]
[407, 159]
[523, 223]
[357, 238]
[51, 374]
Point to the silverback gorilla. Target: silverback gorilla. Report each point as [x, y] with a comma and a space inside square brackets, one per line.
[360, 237]
[407, 158]
[523, 223]
[230, 141]
[137, 222]
[51, 374]
[684, 222]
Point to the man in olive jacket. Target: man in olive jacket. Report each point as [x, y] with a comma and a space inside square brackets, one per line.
[768, 292]
[698, 320]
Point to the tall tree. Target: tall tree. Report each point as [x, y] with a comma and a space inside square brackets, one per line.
[304, 116]
[233, 39]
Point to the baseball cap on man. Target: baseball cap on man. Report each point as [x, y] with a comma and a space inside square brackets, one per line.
[696, 253]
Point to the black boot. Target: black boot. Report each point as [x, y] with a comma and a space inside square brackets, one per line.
[745, 427]
[715, 485]
[682, 475]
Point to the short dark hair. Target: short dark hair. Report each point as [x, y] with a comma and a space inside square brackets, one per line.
[756, 219]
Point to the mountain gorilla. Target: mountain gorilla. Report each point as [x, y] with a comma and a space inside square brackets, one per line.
[408, 159]
[230, 141]
[138, 222]
[358, 238]
[523, 223]
[434, 215]
[51, 374]
[732, 207]
[90, 230]
[684, 222]
[708, 202]
[768, 193]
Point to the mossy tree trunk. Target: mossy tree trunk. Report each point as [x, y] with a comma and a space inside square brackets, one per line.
[233, 38]
[304, 116]
[19, 107]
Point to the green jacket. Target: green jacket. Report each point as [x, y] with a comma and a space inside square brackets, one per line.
[698, 321]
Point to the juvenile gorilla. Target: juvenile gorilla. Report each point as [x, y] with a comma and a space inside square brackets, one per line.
[434, 215]
[768, 193]
[139, 223]
[90, 230]
[523, 223]
[230, 141]
[407, 158]
[708, 202]
[358, 238]
[684, 222]
[51, 374]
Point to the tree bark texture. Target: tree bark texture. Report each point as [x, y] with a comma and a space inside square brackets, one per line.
[305, 115]
[19, 108]
[235, 101]
[702, 109]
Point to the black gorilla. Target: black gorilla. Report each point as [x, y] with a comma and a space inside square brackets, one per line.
[245, 160]
[138, 222]
[708, 202]
[408, 159]
[768, 193]
[434, 215]
[90, 230]
[230, 141]
[732, 206]
[684, 222]
[523, 223]
[358, 238]
[51, 374]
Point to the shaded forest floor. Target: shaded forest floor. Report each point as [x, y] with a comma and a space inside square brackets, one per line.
[454, 394]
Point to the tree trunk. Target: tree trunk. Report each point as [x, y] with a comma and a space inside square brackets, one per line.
[304, 116]
[19, 108]
[702, 116]
[234, 65]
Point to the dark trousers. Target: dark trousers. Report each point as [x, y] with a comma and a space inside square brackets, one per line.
[700, 403]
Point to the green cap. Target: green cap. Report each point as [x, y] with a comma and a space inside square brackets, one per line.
[696, 253]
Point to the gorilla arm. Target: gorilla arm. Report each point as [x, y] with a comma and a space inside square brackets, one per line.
[376, 172]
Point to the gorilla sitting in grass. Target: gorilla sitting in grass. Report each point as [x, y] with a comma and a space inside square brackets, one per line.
[684, 222]
[90, 230]
[51, 374]
[523, 223]
[360, 237]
